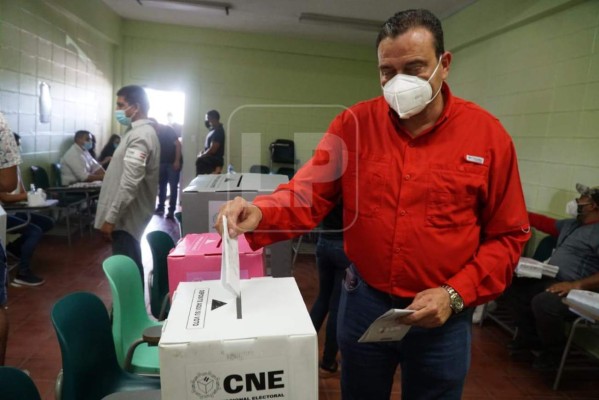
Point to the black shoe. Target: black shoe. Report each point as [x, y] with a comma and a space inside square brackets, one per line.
[159, 211]
[27, 280]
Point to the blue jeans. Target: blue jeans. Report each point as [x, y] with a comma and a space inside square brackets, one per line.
[434, 362]
[331, 262]
[123, 243]
[169, 176]
[31, 234]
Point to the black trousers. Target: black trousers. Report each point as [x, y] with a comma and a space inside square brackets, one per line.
[125, 244]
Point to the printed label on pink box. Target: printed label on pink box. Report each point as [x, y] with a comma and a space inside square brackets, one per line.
[197, 257]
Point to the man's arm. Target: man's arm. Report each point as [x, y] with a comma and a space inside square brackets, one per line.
[8, 197]
[8, 179]
[177, 163]
[212, 150]
[543, 223]
[563, 288]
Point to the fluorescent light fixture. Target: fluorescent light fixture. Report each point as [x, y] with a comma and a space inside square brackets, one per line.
[187, 5]
[352, 23]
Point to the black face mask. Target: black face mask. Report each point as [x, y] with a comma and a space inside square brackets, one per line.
[207, 124]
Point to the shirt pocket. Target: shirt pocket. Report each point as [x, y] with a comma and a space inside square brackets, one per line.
[454, 195]
[363, 182]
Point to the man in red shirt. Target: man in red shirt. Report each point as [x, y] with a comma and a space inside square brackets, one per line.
[434, 215]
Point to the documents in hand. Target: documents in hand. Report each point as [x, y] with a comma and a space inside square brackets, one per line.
[385, 328]
[584, 303]
[531, 268]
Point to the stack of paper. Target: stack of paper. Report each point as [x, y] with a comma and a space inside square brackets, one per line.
[584, 301]
[531, 268]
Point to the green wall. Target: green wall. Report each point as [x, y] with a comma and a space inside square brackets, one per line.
[535, 65]
[265, 87]
[69, 45]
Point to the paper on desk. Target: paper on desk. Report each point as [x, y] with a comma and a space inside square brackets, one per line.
[385, 328]
[229, 268]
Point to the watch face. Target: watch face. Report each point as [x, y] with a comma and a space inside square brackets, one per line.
[457, 304]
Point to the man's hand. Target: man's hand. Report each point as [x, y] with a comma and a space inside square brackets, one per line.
[432, 309]
[241, 217]
[106, 230]
[562, 288]
[177, 165]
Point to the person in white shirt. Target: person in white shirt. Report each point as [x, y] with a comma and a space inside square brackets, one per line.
[78, 165]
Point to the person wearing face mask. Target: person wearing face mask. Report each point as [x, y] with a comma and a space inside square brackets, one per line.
[536, 305]
[128, 194]
[108, 150]
[214, 145]
[433, 214]
[77, 163]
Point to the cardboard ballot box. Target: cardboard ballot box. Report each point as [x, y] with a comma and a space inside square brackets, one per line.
[206, 352]
[205, 194]
[197, 257]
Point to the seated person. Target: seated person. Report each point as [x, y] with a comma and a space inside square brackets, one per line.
[536, 304]
[214, 146]
[108, 151]
[78, 165]
[29, 235]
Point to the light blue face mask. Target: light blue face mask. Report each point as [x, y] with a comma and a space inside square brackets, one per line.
[122, 118]
[88, 145]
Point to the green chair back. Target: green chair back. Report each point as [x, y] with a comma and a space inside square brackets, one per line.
[161, 244]
[17, 385]
[129, 315]
[90, 367]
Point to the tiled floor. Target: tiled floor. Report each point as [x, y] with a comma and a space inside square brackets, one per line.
[32, 343]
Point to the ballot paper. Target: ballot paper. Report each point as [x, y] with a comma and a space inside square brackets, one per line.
[229, 275]
[385, 328]
[531, 268]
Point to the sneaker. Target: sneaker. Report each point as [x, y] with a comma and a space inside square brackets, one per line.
[159, 211]
[27, 280]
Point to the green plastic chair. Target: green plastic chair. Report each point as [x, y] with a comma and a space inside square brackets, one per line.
[17, 385]
[129, 316]
[161, 244]
[90, 367]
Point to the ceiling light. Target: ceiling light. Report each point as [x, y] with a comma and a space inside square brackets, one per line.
[187, 5]
[353, 23]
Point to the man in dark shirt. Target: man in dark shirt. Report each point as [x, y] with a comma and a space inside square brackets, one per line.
[214, 146]
[170, 168]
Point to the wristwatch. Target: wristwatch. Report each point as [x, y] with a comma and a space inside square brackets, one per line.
[455, 300]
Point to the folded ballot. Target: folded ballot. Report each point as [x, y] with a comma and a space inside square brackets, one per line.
[386, 328]
[531, 268]
[583, 302]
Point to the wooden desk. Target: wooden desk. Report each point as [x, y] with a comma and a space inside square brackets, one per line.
[135, 395]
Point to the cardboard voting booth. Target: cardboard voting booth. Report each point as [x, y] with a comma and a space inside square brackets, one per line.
[205, 194]
[238, 339]
[197, 257]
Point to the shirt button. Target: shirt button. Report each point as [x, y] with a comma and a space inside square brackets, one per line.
[402, 212]
[407, 177]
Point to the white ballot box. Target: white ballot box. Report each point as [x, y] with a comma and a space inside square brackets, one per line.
[205, 194]
[207, 352]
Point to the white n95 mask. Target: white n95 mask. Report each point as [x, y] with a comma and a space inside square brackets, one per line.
[408, 95]
[572, 208]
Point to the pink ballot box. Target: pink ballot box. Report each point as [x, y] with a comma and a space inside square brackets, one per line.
[197, 257]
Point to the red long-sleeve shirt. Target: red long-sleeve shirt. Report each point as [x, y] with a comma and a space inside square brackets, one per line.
[445, 207]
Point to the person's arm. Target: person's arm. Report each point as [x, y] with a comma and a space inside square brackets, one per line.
[8, 179]
[139, 150]
[543, 223]
[177, 163]
[212, 150]
[11, 158]
[6, 197]
[563, 288]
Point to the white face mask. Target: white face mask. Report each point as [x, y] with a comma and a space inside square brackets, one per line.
[572, 208]
[408, 95]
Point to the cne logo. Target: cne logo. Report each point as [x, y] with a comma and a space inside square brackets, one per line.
[205, 385]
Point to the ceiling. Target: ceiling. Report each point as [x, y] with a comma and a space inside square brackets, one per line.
[281, 17]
